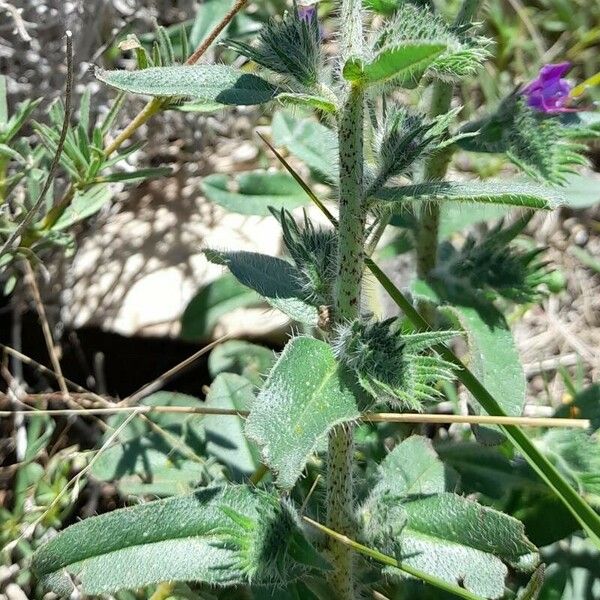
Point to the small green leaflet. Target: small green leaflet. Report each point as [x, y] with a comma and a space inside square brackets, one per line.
[407, 61]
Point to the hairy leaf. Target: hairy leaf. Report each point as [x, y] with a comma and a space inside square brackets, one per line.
[519, 194]
[462, 542]
[273, 278]
[414, 469]
[407, 60]
[306, 394]
[221, 536]
[442, 534]
[208, 83]
[254, 192]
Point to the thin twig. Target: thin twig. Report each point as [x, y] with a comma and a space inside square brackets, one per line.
[212, 36]
[56, 160]
[48, 338]
[159, 382]
[367, 417]
[20, 23]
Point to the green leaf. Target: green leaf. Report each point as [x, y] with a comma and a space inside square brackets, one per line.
[460, 541]
[408, 60]
[582, 511]
[519, 194]
[494, 359]
[252, 193]
[85, 204]
[306, 394]
[308, 101]
[414, 469]
[273, 278]
[237, 356]
[313, 143]
[581, 191]
[219, 536]
[439, 533]
[209, 83]
[159, 458]
[138, 175]
[211, 303]
[225, 439]
[577, 455]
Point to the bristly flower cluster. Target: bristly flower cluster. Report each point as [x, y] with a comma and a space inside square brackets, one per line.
[414, 24]
[272, 548]
[290, 46]
[497, 268]
[391, 366]
[313, 250]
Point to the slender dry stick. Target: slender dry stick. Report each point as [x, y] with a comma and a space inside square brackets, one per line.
[48, 338]
[159, 382]
[549, 422]
[55, 161]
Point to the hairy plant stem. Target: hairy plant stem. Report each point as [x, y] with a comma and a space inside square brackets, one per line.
[435, 169]
[350, 266]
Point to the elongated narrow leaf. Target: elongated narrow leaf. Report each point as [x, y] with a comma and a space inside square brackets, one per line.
[254, 192]
[311, 142]
[494, 359]
[272, 278]
[85, 204]
[211, 303]
[525, 195]
[308, 101]
[208, 83]
[225, 439]
[306, 394]
[405, 61]
[216, 535]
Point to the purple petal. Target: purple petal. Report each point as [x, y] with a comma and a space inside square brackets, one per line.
[307, 13]
[549, 92]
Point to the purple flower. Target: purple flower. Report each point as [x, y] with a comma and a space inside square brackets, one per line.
[307, 13]
[549, 92]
